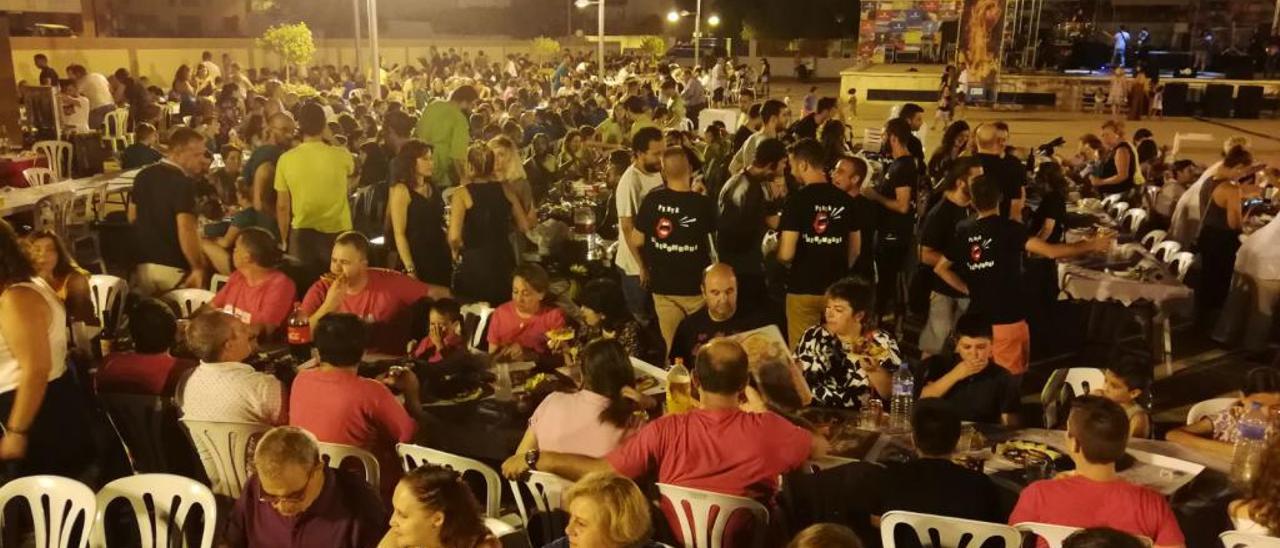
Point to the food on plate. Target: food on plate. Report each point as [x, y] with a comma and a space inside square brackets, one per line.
[1020, 451]
[563, 334]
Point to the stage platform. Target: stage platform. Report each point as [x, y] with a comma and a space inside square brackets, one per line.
[1056, 91]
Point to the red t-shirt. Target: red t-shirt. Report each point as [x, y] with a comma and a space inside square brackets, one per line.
[340, 407]
[725, 451]
[150, 374]
[267, 303]
[384, 303]
[506, 326]
[1077, 501]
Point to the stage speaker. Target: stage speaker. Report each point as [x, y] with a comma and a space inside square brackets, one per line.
[1175, 99]
[1217, 101]
[1248, 101]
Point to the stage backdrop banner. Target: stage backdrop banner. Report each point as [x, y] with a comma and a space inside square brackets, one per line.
[980, 36]
[903, 26]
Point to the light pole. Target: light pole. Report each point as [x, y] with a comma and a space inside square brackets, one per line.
[373, 45]
[583, 4]
[674, 16]
[355, 22]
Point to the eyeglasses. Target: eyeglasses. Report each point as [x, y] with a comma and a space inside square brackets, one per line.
[289, 498]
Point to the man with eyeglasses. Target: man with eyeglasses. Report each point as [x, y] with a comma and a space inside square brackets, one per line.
[295, 500]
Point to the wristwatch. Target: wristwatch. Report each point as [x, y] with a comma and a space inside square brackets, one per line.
[531, 458]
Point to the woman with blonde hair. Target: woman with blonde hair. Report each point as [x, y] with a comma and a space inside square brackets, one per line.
[509, 170]
[606, 511]
[481, 250]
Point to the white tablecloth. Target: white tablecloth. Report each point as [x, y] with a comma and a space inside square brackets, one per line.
[727, 115]
[19, 200]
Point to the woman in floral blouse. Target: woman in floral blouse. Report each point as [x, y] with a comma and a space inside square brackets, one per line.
[844, 358]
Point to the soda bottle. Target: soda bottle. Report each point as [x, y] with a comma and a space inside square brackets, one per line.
[679, 388]
[299, 335]
[1250, 442]
[904, 387]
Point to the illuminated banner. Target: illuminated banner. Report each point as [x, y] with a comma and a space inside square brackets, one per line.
[980, 37]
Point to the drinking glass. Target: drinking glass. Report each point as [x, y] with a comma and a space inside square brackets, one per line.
[1037, 468]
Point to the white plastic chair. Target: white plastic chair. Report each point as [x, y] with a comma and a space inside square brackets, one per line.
[57, 153]
[67, 501]
[171, 499]
[217, 281]
[1181, 263]
[224, 450]
[872, 138]
[1053, 535]
[115, 130]
[1110, 200]
[546, 489]
[38, 176]
[1165, 250]
[480, 310]
[693, 509]
[1237, 539]
[1154, 238]
[1081, 380]
[108, 294]
[1118, 209]
[950, 530]
[1133, 218]
[1208, 408]
[188, 300]
[334, 454]
[499, 528]
[413, 456]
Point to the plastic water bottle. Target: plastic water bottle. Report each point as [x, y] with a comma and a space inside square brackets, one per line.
[1250, 443]
[904, 389]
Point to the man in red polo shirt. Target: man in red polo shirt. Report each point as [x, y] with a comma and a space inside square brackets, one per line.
[716, 448]
[383, 298]
[1094, 495]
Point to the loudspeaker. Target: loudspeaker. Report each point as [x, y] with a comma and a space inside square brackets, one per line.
[1175, 99]
[1217, 101]
[1248, 101]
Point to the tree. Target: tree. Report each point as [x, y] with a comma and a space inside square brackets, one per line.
[545, 48]
[292, 42]
[655, 46]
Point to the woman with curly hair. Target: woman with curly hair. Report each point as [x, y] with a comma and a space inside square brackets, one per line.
[433, 508]
[1259, 512]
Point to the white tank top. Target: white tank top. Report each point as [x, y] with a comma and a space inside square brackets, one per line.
[57, 335]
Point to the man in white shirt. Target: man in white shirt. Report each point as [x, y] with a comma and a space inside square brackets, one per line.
[776, 118]
[215, 71]
[94, 86]
[1256, 288]
[1120, 43]
[75, 108]
[637, 181]
[223, 388]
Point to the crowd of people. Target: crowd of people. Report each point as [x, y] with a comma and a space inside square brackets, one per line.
[370, 219]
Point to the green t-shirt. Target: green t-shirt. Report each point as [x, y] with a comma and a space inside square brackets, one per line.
[610, 132]
[444, 126]
[315, 176]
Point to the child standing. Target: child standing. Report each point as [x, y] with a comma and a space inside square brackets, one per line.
[946, 103]
[1157, 103]
[1126, 383]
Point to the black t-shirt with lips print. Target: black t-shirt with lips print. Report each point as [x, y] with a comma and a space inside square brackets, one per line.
[987, 254]
[676, 227]
[823, 215]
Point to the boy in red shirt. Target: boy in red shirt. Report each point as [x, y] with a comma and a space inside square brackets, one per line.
[1094, 495]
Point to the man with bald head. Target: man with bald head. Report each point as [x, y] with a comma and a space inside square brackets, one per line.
[673, 231]
[1006, 171]
[716, 447]
[719, 318]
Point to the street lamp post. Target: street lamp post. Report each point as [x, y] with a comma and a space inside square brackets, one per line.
[355, 22]
[697, 35]
[583, 4]
[373, 45]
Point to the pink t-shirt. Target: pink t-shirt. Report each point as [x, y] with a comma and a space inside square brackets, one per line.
[340, 407]
[267, 303]
[506, 326]
[151, 374]
[1077, 501]
[385, 303]
[725, 451]
[570, 423]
